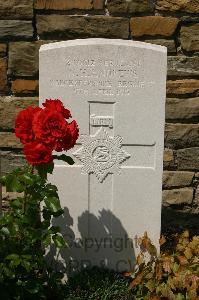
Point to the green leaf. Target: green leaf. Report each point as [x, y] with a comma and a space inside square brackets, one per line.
[27, 179]
[51, 187]
[33, 288]
[65, 158]
[13, 184]
[59, 241]
[26, 256]
[3, 180]
[58, 213]
[26, 264]
[55, 229]
[45, 224]
[44, 169]
[16, 203]
[50, 167]
[15, 228]
[53, 204]
[5, 230]
[6, 219]
[47, 239]
[46, 214]
[14, 258]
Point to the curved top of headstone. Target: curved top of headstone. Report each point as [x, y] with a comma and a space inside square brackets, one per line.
[101, 41]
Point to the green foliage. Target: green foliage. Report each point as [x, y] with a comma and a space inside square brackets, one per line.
[170, 275]
[64, 158]
[96, 283]
[25, 232]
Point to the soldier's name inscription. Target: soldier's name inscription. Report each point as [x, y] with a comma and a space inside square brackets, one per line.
[103, 77]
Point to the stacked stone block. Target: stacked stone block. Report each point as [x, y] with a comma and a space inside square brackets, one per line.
[26, 24]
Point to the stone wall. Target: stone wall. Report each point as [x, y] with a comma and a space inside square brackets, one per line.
[26, 24]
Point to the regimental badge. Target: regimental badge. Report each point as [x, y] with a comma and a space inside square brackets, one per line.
[101, 154]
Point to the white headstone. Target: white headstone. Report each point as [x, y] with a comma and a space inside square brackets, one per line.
[115, 89]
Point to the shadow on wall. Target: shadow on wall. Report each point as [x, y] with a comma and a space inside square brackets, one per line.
[177, 221]
[105, 249]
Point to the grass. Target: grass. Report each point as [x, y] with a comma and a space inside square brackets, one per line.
[97, 284]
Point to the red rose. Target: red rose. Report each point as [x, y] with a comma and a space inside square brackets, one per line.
[45, 130]
[74, 134]
[69, 139]
[37, 153]
[49, 126]
[23, 124]
[58, 106]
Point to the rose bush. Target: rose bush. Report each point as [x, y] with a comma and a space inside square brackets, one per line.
[26, 229]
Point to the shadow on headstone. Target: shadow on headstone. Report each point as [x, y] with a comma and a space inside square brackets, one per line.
[105, 248]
